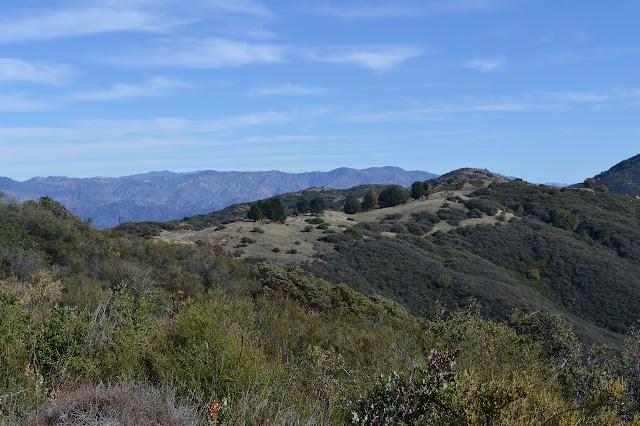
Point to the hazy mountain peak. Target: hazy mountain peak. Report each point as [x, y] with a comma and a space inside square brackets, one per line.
[166, 195]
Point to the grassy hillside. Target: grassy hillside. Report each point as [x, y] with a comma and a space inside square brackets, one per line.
[509, 245]
[97, 327]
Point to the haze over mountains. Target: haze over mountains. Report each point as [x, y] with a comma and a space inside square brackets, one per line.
[163, 196]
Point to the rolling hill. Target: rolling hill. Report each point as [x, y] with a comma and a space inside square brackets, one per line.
[96, 324]
[507, 244]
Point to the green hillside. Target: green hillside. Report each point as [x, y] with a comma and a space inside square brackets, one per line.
[623, 178]
[509, 245]
[96, 327]
[571, 251]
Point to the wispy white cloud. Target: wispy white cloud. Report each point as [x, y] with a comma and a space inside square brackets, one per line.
[16, 70]
[593, 54]
[485, 65]
[80, 22]
[12, 103]
[369, 11]
[624, 94]
[376, 58]
[166, 127]
[248, 7]
[395, 9]
[202, 53]
[288, 89]
[437, 113]
[88, 17]
[239, 6]
[154, 87]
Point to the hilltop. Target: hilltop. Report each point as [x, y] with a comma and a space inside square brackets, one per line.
[467, 174]
[508, 244]
[623, 178]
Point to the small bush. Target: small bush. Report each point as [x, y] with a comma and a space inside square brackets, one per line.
[122, 404]
[292, 251]
[565, 219]
[474, 214]
[485, 206]
[393, 216]
[533, 274]
[258, 230]
[315, 220]
[400, 229]
[276, 250]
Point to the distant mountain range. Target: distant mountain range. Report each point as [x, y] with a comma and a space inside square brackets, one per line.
[164, 196]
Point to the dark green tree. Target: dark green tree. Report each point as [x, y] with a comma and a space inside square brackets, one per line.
[303, 205]
[351, 205]
[393, 196]
[277, 210]
[318, 205]
[255, 213]
[417, 190]
[370, 200]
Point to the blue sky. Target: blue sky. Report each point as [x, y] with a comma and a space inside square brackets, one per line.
[544, 90]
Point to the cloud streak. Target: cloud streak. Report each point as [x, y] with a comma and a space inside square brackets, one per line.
[386, 10]
[11, 103]
[81, 22]
[155, 87]
[379, 59]
[436, 113]
[288, 89]
[84, 18]
[209, 53]
[485, 65]
[16, 70]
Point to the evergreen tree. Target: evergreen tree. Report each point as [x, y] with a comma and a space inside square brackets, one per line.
[277, 210]
[370, 201]
[393, 196]
[351, 205]
[417, 190]
[255, 213]
[303, 205]
[318, 205]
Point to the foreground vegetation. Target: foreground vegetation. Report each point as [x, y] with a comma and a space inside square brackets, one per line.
[95, 327]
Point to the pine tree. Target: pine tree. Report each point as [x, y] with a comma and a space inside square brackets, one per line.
[370, 200]
[255, 213]
[417, 190]
[351, 205]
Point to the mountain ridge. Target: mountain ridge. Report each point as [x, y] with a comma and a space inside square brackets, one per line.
[622, 178]
[164, 195]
